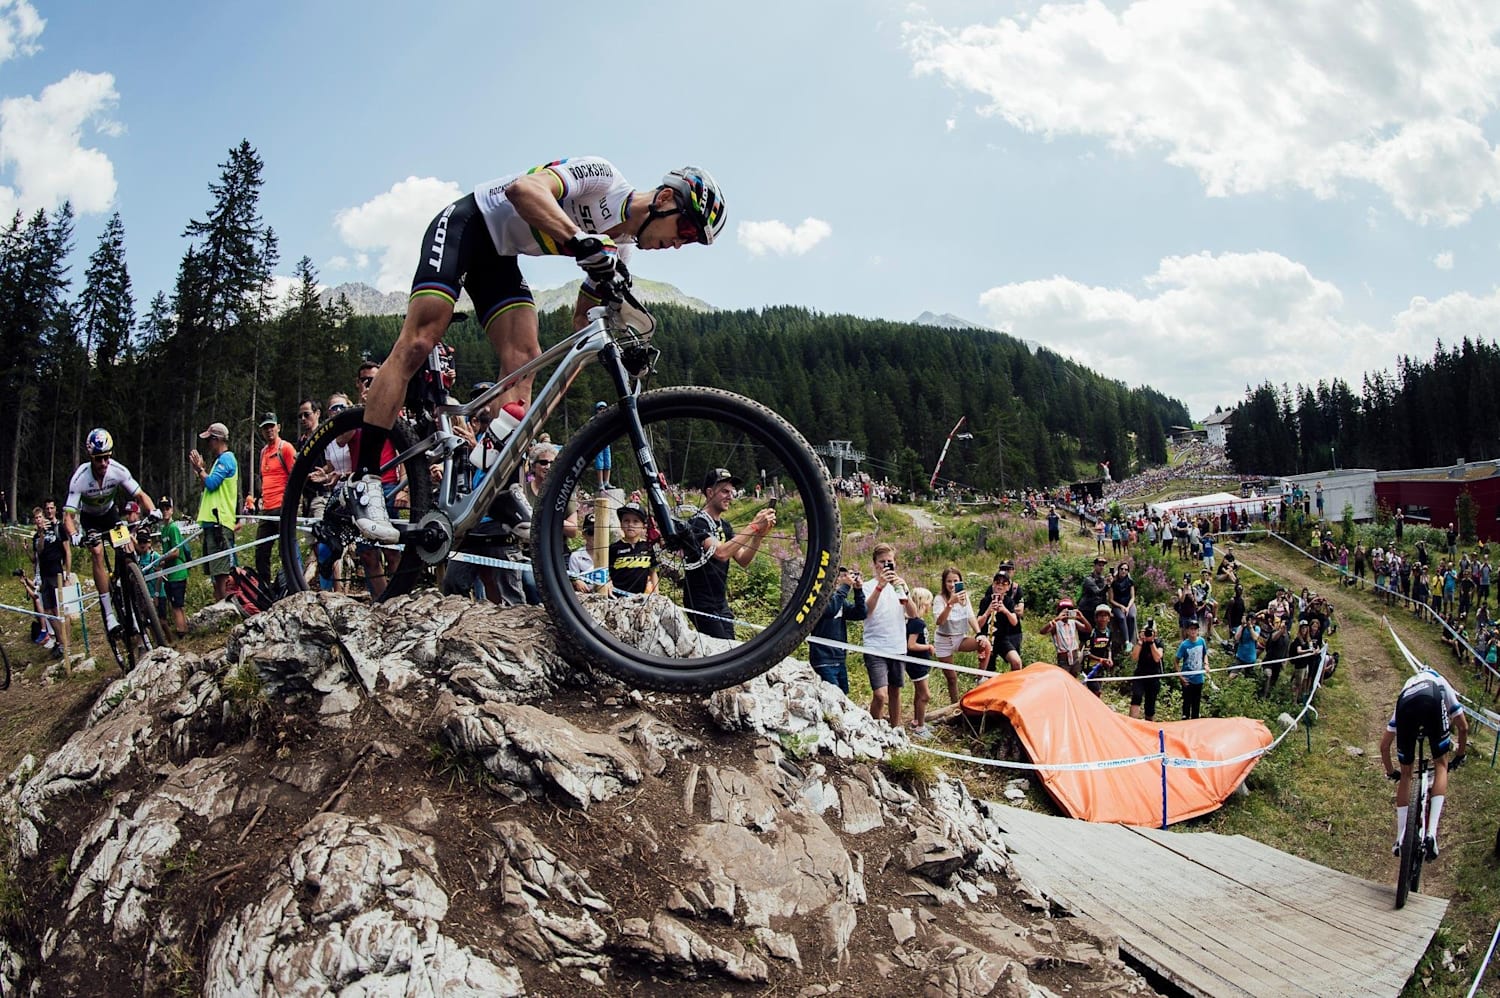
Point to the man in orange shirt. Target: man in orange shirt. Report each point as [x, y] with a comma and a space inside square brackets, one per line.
[276, 460]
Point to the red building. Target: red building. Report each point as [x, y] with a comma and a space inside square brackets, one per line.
[1431, 494]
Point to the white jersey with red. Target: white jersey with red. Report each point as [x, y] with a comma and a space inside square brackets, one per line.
[594, 195]
[100, 496]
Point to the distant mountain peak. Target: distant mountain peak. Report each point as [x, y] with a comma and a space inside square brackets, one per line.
[947, 320]
[366, 300]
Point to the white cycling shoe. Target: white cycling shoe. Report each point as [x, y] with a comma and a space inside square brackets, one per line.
[368, 509]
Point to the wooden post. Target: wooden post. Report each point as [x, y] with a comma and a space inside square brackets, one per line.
[599, 541]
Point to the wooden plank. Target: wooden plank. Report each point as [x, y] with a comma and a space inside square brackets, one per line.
[1225, 915]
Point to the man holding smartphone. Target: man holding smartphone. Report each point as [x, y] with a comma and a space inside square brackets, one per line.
[848, 603]
[887, 609]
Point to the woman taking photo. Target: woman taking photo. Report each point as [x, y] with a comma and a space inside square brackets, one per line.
[957, 627]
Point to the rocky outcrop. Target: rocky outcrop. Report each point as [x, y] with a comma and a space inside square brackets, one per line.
[427, 798]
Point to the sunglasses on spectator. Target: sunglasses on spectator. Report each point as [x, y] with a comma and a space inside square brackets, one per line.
[336, 408]
[304, 415]
[543, 462]
[367, 381]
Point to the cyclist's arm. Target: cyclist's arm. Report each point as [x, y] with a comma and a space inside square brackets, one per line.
[147, 506]
[537, 199]
[1387, 738]
[70, 518]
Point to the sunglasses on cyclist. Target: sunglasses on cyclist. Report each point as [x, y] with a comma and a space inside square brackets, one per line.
[688, 230]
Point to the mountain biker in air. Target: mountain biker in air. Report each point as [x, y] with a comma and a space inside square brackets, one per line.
[578, 207]
[1423, 710]
[97, 494]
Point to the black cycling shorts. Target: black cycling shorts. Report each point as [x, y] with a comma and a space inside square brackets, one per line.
[458, 254]
[1420, 711]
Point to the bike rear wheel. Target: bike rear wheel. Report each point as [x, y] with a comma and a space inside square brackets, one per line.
[308, 542]
[774, 601]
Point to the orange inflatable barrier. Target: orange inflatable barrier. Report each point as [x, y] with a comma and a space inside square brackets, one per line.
[1060, 721]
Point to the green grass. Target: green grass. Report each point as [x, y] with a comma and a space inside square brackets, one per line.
[913, 768]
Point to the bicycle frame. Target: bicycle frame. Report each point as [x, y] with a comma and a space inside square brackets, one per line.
[595, 341]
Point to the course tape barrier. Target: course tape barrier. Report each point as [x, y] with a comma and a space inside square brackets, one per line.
[1160, 758]
[1474, 988]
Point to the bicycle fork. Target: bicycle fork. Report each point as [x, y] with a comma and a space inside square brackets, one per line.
[673, 531]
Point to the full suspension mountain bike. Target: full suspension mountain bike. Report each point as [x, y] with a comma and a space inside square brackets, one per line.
[665, 441]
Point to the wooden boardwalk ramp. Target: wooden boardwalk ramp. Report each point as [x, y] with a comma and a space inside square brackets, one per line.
[1224, 915]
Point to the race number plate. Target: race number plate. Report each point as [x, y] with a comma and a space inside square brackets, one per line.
[119, 535]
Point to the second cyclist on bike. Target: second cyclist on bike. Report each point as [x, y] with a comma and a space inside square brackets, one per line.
[97, 494]
[1427, 707]
[579, 207]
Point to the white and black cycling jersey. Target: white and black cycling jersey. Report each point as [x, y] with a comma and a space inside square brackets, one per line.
[1420, 682]
[593, 195]
[96, 497]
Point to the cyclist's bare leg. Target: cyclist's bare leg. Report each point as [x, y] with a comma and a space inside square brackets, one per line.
[1403, 789]
[514, 334]
[427, 319]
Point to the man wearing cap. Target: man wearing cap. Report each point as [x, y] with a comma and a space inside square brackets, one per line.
[174, 552]
[1095, 588]
[705, 589]
[216, 509]
[276, 460]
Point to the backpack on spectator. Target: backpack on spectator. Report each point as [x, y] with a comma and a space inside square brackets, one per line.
[250, 594]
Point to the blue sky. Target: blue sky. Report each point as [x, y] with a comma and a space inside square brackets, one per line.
[1191, 195]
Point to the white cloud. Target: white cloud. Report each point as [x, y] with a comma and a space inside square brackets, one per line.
[779, 238]
[1251, 97]
[1443, 261]
[1206, 326]
[339, 262]
[20, 27]
[390, 226]
[952, 123]
[41, 144]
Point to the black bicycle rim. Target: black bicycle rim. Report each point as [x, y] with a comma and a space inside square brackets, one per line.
[1411, 846]
[692, 431]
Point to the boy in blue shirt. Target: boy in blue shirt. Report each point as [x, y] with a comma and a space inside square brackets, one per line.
[1192, 661]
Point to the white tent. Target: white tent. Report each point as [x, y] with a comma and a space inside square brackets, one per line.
[1213, 502]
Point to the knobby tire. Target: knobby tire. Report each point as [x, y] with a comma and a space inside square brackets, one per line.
[146, 618]
[1411, 844]
[4, 670]
[755, 431]
[295, 545]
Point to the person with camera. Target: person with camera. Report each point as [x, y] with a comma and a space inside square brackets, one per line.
[1146, 686]
[957, 627]
[1000, 613]
[1067, 629]
[887, 609]
[848, 603]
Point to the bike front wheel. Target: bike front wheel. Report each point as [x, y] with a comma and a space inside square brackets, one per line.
[148, 621]
[712, 622]
[1411, 847]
